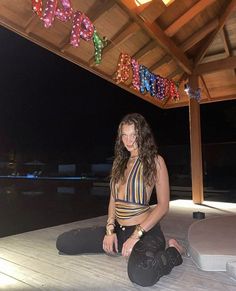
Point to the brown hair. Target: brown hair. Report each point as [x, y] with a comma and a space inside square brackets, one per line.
[146, 145]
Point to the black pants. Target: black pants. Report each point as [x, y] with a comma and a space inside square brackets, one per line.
[148, 261]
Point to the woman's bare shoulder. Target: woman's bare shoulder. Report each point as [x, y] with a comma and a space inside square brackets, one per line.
[159, 160]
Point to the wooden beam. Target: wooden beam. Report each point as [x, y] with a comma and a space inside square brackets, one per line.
[98, 9]
[163, 61]
[152, 11]
[190, 42]
[199, 35]
[174, 73]
[32, 22]
[146, 49]
[187, 16]
[195, 144]
[215, 57]
[205, 87]
[220, 98]
[225, 64]
[225, 41]
[177, 54]
[183, 78]
[222, 20]
[158, 34]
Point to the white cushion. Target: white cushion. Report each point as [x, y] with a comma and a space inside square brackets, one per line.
[231, 269]
[212, 242]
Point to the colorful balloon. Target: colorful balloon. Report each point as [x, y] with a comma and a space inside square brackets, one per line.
[82, 27]
[135, 78]
[123, 70]
[49, 12]
[160, 87]
[38, 7]
[99, 44]
[174, 94]
[64, 14]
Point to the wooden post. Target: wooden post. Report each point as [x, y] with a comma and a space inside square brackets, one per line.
[195, 144]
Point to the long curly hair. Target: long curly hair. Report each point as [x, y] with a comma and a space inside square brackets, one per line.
[146, 145]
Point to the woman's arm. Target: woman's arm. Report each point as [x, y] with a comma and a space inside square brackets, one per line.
[111, 209]
[163, 196]
[110, 243]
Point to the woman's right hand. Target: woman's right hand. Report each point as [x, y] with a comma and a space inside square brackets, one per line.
[110, 244]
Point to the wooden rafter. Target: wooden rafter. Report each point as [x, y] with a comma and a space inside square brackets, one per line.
[205, 87]
[152, 10]
[158, 34]
[163, 61]
[225, 64]
[177, 54]
[199, 35]
[145, 50]
[222, 20]
[187, 16]
[220, 98]
[33, 21]
[98, 9]
[225, 41]
[214, 57]
[174, 73]
[192, 40]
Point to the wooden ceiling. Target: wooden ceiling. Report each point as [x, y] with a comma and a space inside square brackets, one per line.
[188, 37]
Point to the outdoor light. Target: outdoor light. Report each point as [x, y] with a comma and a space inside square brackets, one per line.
[141, 2]
[186, 88]
[167, 2]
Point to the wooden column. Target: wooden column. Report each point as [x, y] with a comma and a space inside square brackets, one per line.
[195, 144]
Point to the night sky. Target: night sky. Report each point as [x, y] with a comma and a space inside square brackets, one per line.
[52, 109]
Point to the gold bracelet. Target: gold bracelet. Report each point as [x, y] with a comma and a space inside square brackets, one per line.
[110, 224]
[110, 220]
[140, 231]
[110, 231]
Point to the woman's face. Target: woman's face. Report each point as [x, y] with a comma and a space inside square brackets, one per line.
[129, 137]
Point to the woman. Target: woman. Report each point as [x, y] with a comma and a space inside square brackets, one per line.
[133, 227]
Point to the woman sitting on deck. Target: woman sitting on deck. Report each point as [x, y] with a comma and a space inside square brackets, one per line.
[133, 227]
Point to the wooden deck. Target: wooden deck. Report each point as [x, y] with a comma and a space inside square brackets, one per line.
[30, 261]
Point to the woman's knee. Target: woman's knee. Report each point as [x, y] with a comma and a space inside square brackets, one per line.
[67, 243]
[143, 269]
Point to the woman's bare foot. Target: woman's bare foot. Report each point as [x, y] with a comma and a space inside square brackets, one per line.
[173, 243]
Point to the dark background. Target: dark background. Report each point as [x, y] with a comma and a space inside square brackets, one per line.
[53, 110]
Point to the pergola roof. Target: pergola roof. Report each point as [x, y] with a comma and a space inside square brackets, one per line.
[196, 37]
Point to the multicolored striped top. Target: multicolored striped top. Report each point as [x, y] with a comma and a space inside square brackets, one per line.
[135, 201]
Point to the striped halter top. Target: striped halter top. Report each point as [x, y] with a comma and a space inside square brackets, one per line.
[135, 201]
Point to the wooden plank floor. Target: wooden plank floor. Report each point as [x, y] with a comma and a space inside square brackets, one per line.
[30, 261]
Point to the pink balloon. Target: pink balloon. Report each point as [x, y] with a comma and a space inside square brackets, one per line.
[82, 27]
[49, 12]
[65, 13]
[136, 77]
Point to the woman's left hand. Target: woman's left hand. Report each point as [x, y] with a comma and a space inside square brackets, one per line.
[128, 246]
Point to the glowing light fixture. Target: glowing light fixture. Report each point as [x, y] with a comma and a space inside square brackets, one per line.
[167, 2]
[141, 2]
